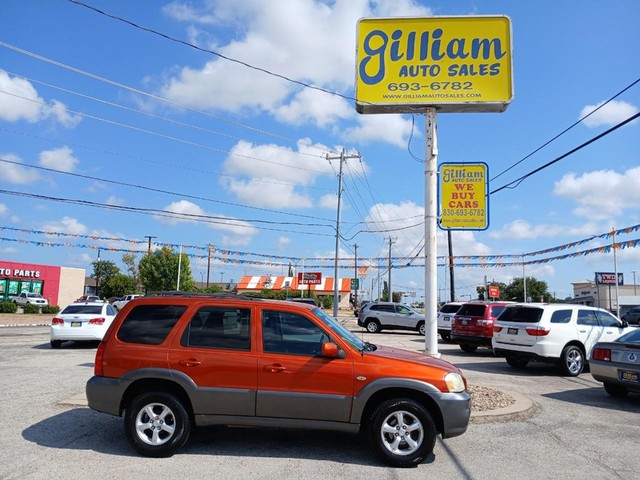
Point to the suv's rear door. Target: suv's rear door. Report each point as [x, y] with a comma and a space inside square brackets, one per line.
[515, 325]
[294, 380]
[466, 320]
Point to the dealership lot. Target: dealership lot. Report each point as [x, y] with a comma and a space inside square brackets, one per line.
[575, 428]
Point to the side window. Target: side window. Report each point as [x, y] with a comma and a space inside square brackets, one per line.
[224, 328]
[587, 317]
[403, 310]
[284, 332]
[561, 316]
[150, 324]
[607, 320]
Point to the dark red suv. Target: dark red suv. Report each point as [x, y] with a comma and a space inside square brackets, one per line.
[472, 325]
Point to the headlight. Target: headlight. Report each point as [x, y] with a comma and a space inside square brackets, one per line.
[455, 382]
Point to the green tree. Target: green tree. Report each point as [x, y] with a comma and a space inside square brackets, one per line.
[103, 270]
[119, 285]
[537, 291]
[159, 271]
[129, 259]
[482, 293]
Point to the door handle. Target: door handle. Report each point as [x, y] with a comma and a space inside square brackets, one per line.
[190, 362]
[276, 368]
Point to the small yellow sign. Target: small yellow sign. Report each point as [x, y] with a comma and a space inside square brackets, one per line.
[457, 64]
[464, 199]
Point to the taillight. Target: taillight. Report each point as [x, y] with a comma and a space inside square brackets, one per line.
[537, 331]
[98, 369]
[603, 354]
[497, 328]
[57, 321]
[484, 323]
[96, 321]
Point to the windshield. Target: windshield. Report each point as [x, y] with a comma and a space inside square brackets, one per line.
[339, 330]
[448, 308]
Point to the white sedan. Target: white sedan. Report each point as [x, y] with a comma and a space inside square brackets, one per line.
[80, 322]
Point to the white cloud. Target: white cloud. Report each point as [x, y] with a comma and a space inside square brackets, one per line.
[521, 229]
[66, 225]
[22, 102]
[113, 200]
[238, 232]
[601, 194]
[13, 173]
[329, 200]
[611, 114]
[4, 210]
[393, 129]
[284, 242]
[59, 159]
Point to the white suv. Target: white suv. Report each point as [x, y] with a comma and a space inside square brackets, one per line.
[445, 315]
[553, 332]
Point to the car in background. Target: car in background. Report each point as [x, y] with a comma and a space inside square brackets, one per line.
[124, 300]
[30, 298]
[308, 301]
[632, 317]
[445, 315]
[88, 298]
[558, 333]
[82, 322]
[391, 316]
[472, 325]
[358, 310]
[617, 364]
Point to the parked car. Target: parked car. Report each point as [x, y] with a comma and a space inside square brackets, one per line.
[632, 317]
[563, 334]
[309, 301]
[88, 298]
[445, 315]
[358, 310]
[276, 364]
[472, 325]
[30, 298]
[617, 364]
[392, 316]
[81, 322]
[124, 300]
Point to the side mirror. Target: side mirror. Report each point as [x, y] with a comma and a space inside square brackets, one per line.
[330, 350]
[625, 324]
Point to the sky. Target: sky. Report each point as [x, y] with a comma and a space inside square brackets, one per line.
[218, 124]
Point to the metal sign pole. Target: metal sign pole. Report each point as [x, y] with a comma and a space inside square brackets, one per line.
[430, 235]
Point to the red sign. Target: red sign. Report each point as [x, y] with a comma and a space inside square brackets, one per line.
[310, 278]
[494, 292]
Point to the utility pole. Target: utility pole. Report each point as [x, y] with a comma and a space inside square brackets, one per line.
[208, 264]
[355, 297]
[149, 247]
[389, 291]
[336, 280]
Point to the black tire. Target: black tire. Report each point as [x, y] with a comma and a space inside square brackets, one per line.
[401, 432]
[572, 361]
[446, 337]
[615, 390]
[421, 329]
[56, 343]
[516, 362]
[468, 348]
[372, 326]
[165, 433]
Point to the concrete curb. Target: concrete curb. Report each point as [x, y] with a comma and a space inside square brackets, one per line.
[521, 409]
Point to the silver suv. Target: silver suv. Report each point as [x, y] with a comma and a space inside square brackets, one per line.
[445, 316]
[563, 334]
[378, 315]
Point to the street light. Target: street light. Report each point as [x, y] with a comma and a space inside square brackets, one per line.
[221, 275]
[634, 281]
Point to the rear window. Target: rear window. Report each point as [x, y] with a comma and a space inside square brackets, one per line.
[80, 309]
[150, 324]
[496, 310]
[472, 310]
[448, 308]
[520, 314]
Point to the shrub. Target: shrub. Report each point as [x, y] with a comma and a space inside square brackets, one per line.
[31, 308]
[8, 307]
[52, 309]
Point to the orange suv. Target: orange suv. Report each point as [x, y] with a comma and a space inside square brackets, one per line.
[169, 363]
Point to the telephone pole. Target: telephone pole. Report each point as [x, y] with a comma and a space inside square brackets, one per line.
[336, 280]
[389, 291]
[149, 247]
[355, 297]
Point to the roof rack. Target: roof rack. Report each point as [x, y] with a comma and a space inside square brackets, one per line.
[180, 293]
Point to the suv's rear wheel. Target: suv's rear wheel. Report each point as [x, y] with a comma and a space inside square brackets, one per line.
[401, 432]
[572, 361]
[421, 328]
[468, 348]
[446, 337]
[516, 362]
[156, 424]
[372, 326]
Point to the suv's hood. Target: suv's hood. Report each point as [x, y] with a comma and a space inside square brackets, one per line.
[413, 357]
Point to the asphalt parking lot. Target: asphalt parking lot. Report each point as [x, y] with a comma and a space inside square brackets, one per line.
[572, 430]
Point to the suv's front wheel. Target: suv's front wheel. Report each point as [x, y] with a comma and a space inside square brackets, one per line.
[156, 424]
[401, 432]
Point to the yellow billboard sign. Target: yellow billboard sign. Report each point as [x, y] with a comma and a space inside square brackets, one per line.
[456, 64]
[464, 199]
